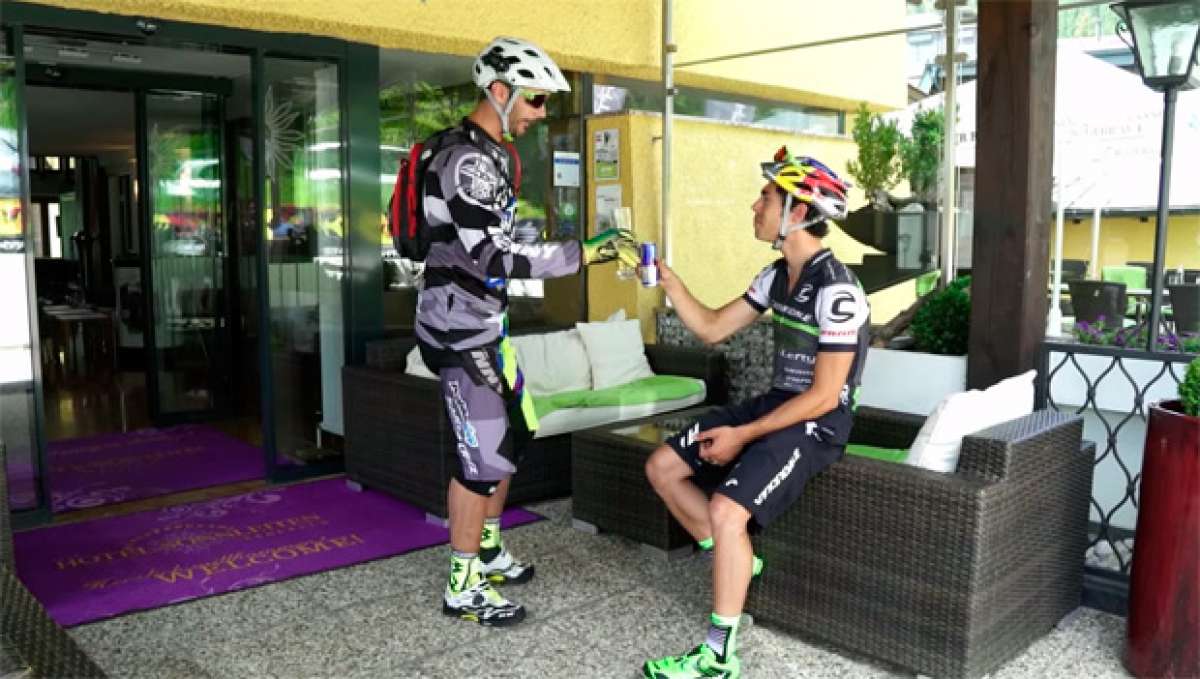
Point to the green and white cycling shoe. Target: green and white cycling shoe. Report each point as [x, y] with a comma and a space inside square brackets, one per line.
[503, 569]
[481, 603]
[699, 663]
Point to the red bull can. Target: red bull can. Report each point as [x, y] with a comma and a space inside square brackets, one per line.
[648, 269]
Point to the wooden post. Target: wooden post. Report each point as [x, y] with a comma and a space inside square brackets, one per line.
[1013, 185]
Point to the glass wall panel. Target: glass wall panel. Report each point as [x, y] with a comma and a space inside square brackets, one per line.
[423, 94]
[187, 250]
[305, 248]
[611, 95]
[18, 434]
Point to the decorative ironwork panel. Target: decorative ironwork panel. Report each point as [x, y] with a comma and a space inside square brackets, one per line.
[1112, 388]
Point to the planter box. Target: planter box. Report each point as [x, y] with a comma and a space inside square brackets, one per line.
[910, 381]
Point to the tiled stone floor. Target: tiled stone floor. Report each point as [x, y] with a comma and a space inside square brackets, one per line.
[598, 607]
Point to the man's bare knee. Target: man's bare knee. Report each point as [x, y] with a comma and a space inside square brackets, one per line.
[665, 466]
[727, 516]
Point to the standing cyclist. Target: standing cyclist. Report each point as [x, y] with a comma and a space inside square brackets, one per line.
[756, 456]
[471, 183]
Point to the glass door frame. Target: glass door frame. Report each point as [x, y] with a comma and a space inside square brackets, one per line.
[14, 35]
[358, 75]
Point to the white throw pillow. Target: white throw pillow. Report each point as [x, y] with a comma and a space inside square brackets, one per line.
[939, 442]
[415, 365]
[553, 362]
[615, 352]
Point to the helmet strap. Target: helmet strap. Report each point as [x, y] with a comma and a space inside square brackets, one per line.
[784, 227]
[503, 110]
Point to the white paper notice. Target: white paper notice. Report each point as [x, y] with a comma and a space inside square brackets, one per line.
[566, 169]
[608, 154]
[608, 199]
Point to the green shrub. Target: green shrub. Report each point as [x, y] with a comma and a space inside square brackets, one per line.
[942, 324]
[877, 167]
[1189, 389]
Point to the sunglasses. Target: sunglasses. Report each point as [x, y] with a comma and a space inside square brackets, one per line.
[535, 99]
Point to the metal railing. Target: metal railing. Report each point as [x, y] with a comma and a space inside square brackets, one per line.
[1112, 388]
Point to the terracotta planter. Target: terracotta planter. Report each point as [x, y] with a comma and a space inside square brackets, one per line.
[1164, 592]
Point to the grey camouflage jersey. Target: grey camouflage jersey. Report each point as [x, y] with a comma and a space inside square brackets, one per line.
[463, 299]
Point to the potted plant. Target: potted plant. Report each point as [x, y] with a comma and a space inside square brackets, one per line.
[936, 351]
[1163, 638]
[876, 168]
[885, 156]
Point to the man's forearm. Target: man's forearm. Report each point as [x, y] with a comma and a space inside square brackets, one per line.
[695, 316]
[800, 408]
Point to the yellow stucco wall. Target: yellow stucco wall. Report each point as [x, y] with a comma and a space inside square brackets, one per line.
[1129, 239]
[612, 37]
[714, 182]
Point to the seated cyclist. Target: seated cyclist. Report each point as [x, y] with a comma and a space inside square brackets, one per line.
[755, 457]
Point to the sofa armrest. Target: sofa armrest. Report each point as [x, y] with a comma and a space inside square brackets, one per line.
[704, 364]
[389, 353]
[885, 428]
[1027, 446]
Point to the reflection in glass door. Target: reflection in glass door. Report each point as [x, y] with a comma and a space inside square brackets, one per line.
[305, 249]
[185, 246]
[18, 372]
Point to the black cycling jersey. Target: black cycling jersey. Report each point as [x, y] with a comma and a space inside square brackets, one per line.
[826, 310]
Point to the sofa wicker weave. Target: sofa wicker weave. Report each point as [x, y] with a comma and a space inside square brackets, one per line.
[399, 439]
[945, 574]
[31, 644]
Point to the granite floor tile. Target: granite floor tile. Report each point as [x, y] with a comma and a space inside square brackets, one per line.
[1087, 643]
[599, 607]
[393, 576]
[209, 620]
[316, 647]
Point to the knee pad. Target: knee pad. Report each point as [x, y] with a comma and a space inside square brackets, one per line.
[484, 488]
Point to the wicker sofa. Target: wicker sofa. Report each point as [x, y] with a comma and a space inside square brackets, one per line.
[399, 439]
[31, 644]
[944, 574]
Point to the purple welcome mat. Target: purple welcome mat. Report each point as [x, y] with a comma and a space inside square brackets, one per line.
[97, 569]
[100, 470]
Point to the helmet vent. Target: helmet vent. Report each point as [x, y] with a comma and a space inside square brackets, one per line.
[525, 73]
[532, 53]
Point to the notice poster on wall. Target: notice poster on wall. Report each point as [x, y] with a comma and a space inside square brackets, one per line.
[608, 199]
[607, 154]
[566, 169]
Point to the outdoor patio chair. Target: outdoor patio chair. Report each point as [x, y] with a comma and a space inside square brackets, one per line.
[1185, 307]
[1094, 301]
[1133, 275]
[1074, 269]
[946, 574]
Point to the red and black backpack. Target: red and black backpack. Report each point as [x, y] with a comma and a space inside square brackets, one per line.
[412, 234]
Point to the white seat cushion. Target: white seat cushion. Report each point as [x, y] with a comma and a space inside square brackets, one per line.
[939, 442]
[616, 352]
[553, 362]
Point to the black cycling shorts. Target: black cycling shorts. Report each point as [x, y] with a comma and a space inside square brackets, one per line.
[769, 474]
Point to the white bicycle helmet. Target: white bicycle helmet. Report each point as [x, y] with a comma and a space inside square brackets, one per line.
[519, 64]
